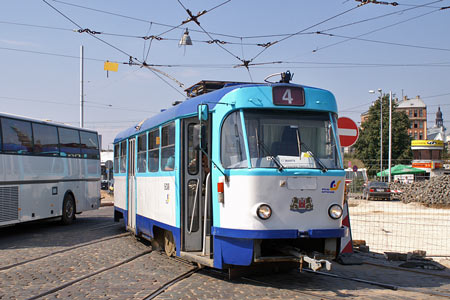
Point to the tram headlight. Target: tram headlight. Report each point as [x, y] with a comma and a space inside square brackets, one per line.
[264, 211]
[335, 211]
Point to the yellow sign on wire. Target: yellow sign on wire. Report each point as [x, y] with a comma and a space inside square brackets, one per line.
[111, 66]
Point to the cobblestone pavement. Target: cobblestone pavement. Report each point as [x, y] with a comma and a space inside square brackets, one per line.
[104, 245]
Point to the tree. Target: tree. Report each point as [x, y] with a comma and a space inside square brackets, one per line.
[368, 145]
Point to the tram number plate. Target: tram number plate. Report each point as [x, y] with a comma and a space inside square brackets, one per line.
[288, 95]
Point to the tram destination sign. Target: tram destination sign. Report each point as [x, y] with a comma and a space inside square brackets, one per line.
[288, 95]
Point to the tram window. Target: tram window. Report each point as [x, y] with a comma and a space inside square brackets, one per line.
[142, 153]
[192, 153]
[193, 206]
[168, 147]
[1, 143]
[289, 137]
[69, 140]
[153, 150]
[232, 143]
[45, 140]
[116, 158]
[89, 145]
[17, 136]
[123, 157]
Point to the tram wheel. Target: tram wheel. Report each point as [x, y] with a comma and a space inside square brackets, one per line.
[169, 243]
[68, 210]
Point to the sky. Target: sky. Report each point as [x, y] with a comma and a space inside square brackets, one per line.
[341, 46]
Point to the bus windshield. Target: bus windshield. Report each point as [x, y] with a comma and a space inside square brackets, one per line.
[287, 140]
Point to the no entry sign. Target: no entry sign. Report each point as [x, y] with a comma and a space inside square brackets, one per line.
[348, 132]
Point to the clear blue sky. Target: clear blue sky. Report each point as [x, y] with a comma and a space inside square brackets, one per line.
[407, 51]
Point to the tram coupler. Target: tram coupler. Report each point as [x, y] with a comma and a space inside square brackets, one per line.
[314, 263]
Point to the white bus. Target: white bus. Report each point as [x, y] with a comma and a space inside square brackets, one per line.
[46, 170]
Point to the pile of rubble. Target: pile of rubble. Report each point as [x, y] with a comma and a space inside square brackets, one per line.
[432, 192]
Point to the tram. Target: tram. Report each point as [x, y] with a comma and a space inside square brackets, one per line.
[241, 175]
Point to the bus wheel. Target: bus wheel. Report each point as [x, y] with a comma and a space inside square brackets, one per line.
[169, 244]
[68, 210]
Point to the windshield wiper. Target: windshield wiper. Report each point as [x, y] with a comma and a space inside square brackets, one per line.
[316, 159]
[272, 157]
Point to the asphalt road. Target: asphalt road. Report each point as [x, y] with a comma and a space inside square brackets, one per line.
[95, 258]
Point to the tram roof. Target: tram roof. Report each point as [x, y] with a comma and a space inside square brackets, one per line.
[186, 108]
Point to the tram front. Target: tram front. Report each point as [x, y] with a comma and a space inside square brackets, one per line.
[278, 190]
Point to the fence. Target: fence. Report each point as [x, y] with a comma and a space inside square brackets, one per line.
[404, 225]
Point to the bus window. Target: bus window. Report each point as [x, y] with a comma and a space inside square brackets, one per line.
[123, 157]
[168, 147]
[45, 140]
[153, 150]
[116, 158]
[1, 143]
[17, 136]
[232, 143]
[69, 140]
[89, 145]
[142, 153]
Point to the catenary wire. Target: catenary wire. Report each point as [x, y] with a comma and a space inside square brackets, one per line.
[138, 19]
[109, 44]
[383, 42]
[378, 29]
[305, 29]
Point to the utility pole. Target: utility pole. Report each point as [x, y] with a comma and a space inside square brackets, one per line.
[81, 87]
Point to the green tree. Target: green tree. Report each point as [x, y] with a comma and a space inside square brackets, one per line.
[368, 145]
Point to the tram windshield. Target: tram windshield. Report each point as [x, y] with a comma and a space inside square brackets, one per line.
[280, 139]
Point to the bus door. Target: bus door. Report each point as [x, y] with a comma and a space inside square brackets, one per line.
[193, 196]
[131, 184]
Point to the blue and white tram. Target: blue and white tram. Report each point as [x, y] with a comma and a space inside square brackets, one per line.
[245, 174]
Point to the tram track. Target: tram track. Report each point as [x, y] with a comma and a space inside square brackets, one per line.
[7, 267]
[99, 271]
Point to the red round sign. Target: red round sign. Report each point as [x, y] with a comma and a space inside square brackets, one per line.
[348, 132]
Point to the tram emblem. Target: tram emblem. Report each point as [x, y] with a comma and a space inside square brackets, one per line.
[301, 205]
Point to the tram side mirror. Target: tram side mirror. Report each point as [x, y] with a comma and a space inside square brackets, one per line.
[203, 112]
[199, 137]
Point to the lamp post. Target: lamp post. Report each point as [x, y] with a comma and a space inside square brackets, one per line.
[381, 130]
[390, 135]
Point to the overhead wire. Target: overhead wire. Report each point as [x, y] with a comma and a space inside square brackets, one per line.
[109, 44]
[383, 42]
[317, 65]
[94, 104]
[194, 18]
[140, 20]
[303, 30]
[379, 29]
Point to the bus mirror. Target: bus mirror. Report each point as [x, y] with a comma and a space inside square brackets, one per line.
[203, 111]
[199, 137]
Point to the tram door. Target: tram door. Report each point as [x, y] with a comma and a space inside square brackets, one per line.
[131, 184]
[193, 191]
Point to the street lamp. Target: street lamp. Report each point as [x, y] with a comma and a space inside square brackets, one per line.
[381, 130]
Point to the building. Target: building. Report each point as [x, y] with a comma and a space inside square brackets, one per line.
[427, 155]
[416, 110]
[437, 132]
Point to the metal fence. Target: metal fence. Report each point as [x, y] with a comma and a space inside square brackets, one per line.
[394, 226]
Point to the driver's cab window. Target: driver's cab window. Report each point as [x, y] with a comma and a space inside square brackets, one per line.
[232, 143]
